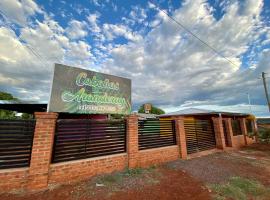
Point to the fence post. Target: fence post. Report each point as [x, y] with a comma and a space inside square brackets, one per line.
[219, 133]
[255, 129]
[132, 141]
[41, 150]
[181, 137]
[243, 129]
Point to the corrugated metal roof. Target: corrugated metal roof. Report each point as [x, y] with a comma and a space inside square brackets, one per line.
[22, 106]
[198, 111]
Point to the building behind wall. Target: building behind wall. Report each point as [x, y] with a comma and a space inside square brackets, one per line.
[208, 129]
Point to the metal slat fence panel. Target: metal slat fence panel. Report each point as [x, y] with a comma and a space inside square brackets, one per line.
[156, 133]
[236, 127]
[200, 135]
[83, 138]
[16, 139]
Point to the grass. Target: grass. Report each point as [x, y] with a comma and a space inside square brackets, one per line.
[118, 178]
[239, 188]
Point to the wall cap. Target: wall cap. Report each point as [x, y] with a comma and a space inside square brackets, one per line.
[14, 170]
[88, 159]
[46, 115]
[159, 148]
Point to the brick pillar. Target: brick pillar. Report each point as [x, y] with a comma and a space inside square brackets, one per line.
[243, 128]
[132, 141]
[41, 150]
[255, 129]
[181, 137]
[228, 124]
[219, 134]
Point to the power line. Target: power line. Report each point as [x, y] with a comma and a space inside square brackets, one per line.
[194, 35]
[28, 46]
[266, 90]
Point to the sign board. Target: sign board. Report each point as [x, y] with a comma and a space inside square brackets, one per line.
[147, 107]
[76, 90]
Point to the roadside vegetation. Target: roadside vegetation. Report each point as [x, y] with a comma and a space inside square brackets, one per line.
[119, 181]
[264, 135]
[240, 188]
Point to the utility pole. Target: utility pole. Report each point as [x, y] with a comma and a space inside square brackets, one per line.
[249, 102]
[265, 90]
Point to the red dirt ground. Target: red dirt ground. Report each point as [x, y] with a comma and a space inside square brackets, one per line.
[181, 179]
[171, 185]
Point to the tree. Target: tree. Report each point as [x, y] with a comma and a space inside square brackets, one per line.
[7, 114]
[154, 110]
[7, 96]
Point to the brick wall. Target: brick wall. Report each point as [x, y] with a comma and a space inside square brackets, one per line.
[13, 179]
[73, 171]
[238, 141]
[41, 172]
[242, 140]
[158, 155]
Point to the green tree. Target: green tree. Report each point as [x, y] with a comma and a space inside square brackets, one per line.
[7, 114]
[154, 110]
[27, 116]
[6, 96]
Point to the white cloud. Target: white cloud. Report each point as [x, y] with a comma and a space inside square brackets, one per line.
[138, 14]
[19, 11]
[170, 67]
[26, 72]
[76, 29]
[92, 19]
[79, 50]
[112, 31]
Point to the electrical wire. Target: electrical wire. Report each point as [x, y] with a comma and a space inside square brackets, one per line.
[194, 35]
[28, 46]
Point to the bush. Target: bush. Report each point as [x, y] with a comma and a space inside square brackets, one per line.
[264, 135]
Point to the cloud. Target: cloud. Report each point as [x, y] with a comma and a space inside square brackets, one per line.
[76, 29]
[111, 31]
[170, 67]
[19, 11]
[92, 19]
[27, 71]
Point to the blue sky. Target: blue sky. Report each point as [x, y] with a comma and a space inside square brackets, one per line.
[134, 39]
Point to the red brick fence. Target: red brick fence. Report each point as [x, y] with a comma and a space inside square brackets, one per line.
[166, 141]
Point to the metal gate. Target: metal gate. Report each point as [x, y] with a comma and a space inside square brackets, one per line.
[200, 135]
[225, 133]
[83, 138]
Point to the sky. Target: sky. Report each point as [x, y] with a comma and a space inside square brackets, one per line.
[135, 39]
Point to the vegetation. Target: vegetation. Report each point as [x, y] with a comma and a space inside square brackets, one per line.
[128, 173]
[264, 135]
[7, 96]
[154, 110]
[7, 114]
[241, 189]
[117, 116]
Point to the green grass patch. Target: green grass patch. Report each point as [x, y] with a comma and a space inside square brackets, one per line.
[118, 178]
[239, 188]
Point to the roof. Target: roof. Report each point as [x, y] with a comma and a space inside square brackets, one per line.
[197, 111]
[23, 106]
[146, 115]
